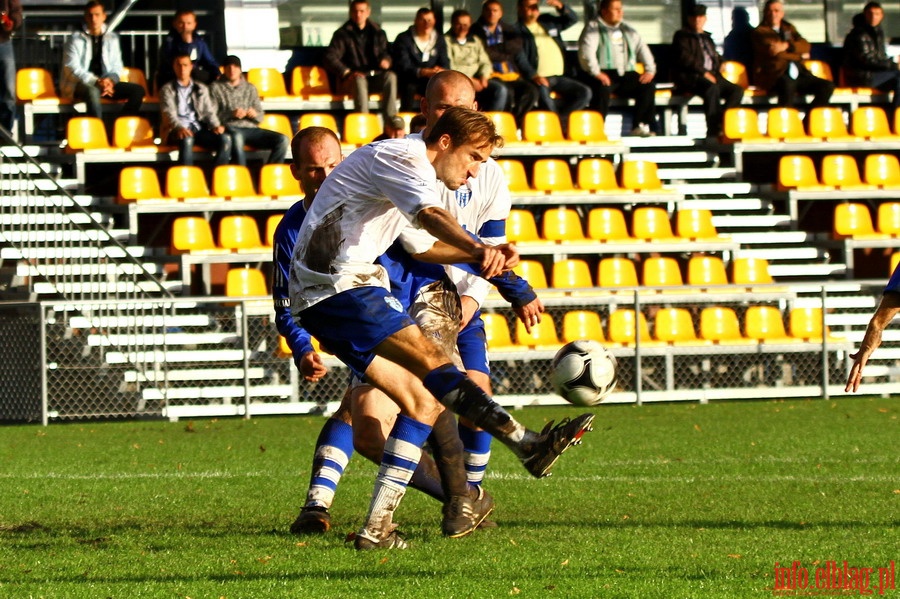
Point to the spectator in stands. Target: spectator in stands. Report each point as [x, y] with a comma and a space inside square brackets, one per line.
[469, 56]
[866, 63]
[241, 112]
[394, 128]
[887, 310]
[505, 48]
[92, 62]
[182, 41]
[737, 45]
[10, 19]
[358, 57]
[778, 54]
[609, 51]
[695, 70]
[545, 57]
[419, 53]
[188, 116]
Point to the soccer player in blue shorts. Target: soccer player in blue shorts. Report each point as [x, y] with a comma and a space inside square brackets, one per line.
[341, 297]
[887, 310]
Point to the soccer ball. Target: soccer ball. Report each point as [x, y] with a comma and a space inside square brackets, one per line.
[583, 372]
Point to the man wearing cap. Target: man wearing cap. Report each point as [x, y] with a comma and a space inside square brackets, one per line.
[394, 128]
[240, 111]
[695, 70]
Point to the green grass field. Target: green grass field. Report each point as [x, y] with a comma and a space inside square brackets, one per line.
[669, 500]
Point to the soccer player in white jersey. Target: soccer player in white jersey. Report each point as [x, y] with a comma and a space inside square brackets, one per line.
[341, 297]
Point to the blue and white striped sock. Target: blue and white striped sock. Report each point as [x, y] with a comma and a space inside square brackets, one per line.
[477, 446]
[402, 451]
[333, 450]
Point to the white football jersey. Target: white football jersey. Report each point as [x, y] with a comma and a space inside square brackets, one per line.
[359, 211]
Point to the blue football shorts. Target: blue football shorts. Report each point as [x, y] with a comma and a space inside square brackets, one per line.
[473, 345]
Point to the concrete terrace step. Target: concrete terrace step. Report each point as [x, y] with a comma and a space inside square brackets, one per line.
[72, 235]
[701, 173]
[194, 374]
[753, 221]
[132, 320]
[74, 252]
[167, 339]
[23, 269]
[98, 287]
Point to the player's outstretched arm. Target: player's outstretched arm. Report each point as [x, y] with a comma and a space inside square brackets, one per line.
[456, 245]
[887, 309]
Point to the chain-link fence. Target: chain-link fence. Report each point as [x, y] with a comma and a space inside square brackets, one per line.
[219, 356]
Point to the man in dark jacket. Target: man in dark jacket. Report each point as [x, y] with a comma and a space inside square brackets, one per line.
[504, 47]
[695, 71]
[420, 52]
[545, 57]
[866, 63]
[778, 54]
[358, 57]
[10, 19]
[181, 41]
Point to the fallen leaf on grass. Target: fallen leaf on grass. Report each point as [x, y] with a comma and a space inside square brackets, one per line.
[384, 560]
[300, 544]
[735, 555]
[697, 428]
[565, 562]
[511, 542]
[515, 591]
[264, 560]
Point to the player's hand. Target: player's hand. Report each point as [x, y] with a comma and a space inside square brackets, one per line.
[493, 262]
[512, 255]
[469, 307]
[311, 366]
[530, 313]
[646, 77]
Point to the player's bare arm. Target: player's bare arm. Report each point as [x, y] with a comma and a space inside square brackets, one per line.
[887, 310]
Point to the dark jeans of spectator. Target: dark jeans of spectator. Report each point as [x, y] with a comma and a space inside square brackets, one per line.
[523, 96]
[570, 96]
[132, 93]
[494, 97]
[7, 86]
[790, 92]
[382, 82]
[260, 139]
[627, 85]
[888, 81]
[220, 144]
[721, 92]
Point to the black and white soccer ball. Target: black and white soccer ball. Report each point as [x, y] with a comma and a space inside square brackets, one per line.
[583, 372]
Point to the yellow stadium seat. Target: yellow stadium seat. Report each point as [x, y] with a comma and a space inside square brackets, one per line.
[841, 172]
[193, 234]
[269, 82]
[87, 134]
[766, 325]
[187, 183]
[720, 325]
[707, 272]
[245, 282]
[583, 324]
[573, 274]
[562, 225]
[624, 327]
[521, 227]
[751, 271]
[279, 123]
[607, 225]
[742, 124]
[895, 261]
[786, 125]
[241, 234]
[276, 181]
[854, 220]
[361, 127]
[533, 272]
[822, 70]
[552, 175]
[542, 126]
[882, 170]
[806, 324]
[798, 172]
[651, 223]
[233, 182]
[889, 218]
[139, 184]
[641, 175]
[135, 133]
[317, 119]
[696, 225]
[272, 224]
[496, 333]
[871, 122]
[598, 175]
[137, 76]
[675, 326]
[736, 73]
[506, 126]
[827, 122]
[35, 85]
[311, 83]
[661, 272]
[586, 127]
[516, 179]
[542, 337]
[616, 273]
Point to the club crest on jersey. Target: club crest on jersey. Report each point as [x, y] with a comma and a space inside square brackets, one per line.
[463, 195]
[393, 303]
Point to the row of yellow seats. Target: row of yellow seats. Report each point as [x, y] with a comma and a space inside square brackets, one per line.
[825, 123]
[236, 233]
[736, 73]
[703, 271]
[839, 172]
[593, 175]
[671, 326]
[35, 84]
[607, 224]
[188, 183]
[854, 220]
